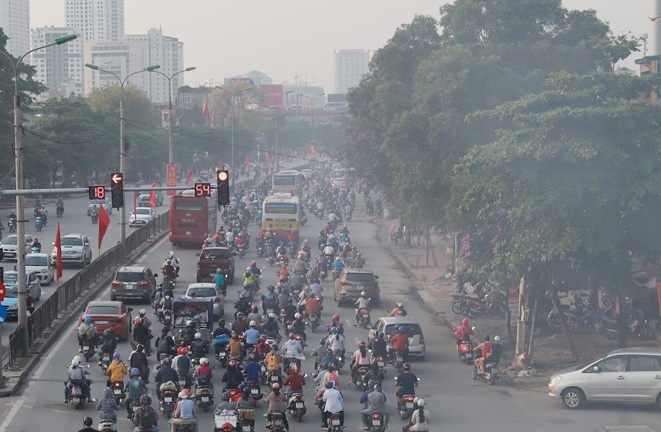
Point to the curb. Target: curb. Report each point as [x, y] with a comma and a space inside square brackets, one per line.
[14, 380]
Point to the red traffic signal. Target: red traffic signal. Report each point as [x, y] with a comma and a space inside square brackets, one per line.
[116, 179]
[223, 176]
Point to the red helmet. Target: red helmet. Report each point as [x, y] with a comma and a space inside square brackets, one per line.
[464, 322]
[182, 351]
[137, 321]
[336, 317]
[254, 263]
[294, 369]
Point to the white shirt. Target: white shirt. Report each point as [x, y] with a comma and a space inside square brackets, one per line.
[362, 303]
[332, 218]
[316, 289]
[229, 236]
[334, 401]
[328, 250]
[336, 343]
[293, 347]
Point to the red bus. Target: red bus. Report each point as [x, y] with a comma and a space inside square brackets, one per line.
[192, 218]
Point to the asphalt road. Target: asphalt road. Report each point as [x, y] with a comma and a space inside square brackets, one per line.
[457, 403]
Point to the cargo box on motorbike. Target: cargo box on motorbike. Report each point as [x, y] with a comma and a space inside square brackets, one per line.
[198, 311]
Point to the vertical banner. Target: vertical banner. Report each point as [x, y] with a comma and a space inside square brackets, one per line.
[513, 304]
[172, 178]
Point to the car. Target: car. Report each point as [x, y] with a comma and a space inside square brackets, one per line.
[76, 249]
[141, 216]
[338, 182]
[214, 258]
[389, 325]
[134, 282]
[352, 281]
[144, 199]
[106, 203]
[208, 291]
[621, 376]
[106, 314]
[42, 265]
[10, 246]
[10, 302]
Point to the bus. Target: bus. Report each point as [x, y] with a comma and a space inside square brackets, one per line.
[192, 218]
[287, 181]
[280, 213]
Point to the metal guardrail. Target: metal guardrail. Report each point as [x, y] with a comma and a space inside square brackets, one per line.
[67, 293]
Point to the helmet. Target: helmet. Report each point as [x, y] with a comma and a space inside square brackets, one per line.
[232, 363]
[246, 390]
[381, 335]
[186, 392]
[189, 323]
[87, 319]
[275, 386]
[291, 336]
[221, 323]
[274, 347]
[142, 312]
[294, 369]
[116, 355]
[401, 329]
[363, 293]
[333, 329]
[262, 337]
[254, 308]
[496, 339]
[75, 362]
[330, 384]
[361, 343]
[253, 264]
[135, 372]
[253, 324]
[421, 402]
[271, 288]
[353, 247]
[297, 315]
[337, 258]
[137, 321]
[182, 351]
[406, 366]
[204, 360]
[164, 331]
[165, 361]
[248, 273]
[464, 322]
[252, 357]
[198, 336]
[400, 305]
[336, 317]
[225, 396]
[271, 315]
[171, 254]
[241, 297]
[87, 421]
[240, 315]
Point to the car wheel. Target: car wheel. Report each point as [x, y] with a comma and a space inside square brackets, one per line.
[573, 398]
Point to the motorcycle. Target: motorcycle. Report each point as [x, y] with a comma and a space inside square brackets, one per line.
[637, 326]
[313, 321]
[364, 318]
[276, 424]
[490, 373]
[255, 390]
[118, 391]
[105, 361]
[273, 376]
[304, 220]
[106, 425]
[204, 397]
[465, 350]
[95, 217]
[359, 379]
[260, 250]
[398, 360]
[88, 349]
[296, 406]
[226, 421]
[407, 405]
[12, 225]
[222, 357]
[36, 249]
[38, 223]
[59, 211]
[241, 250]
[376, 422]
[166, 404]
[334, 423]
[184, 382]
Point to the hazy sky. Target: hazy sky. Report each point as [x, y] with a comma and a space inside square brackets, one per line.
[284, 38]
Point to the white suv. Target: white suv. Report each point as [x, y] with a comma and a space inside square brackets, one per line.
[141, 216]
[75, 249]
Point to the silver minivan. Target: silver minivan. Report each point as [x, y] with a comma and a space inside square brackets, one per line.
[623, 375]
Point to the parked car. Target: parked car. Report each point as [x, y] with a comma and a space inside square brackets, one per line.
[141, 216]
[10, 302]
[621, 376]
[389, 325]
[144, 199]
[76, 249]
[208, 291]
[350, 284]
[42, 265]
[134, 282]
[106, 314]
[10, 246]
[106, 203]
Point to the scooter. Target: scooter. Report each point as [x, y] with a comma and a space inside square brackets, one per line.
[490, 373]
[118, 391]
[106, 425]
[38, 223]
[95, 217]
[204, 397]
[59, 211]
[166, 404]
[296, 406]
[376, 422]
[364, 318]
[465, 350]
[12, 225]
[334, 423]
[407, 405]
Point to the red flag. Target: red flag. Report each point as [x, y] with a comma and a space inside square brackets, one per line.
[205, 109]
[190, 177]
[135, 201]
[152, 195]
[58, 245]
[247, 163]
[104, 221]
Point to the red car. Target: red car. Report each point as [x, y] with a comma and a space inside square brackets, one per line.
[106, 314]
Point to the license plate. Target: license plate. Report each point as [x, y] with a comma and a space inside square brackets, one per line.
[86, 349]
[263, 368]
[76, 400]
[101, 322]
[222, 354]
[299, 405]
[376, 422]
[381, 364]
[106, 358]
[277, 422]
[399, 359]
[274, 378]
[409, 405]
[469, 355]
[205, 398]
[129, 286]
[254, 391]
[335, 422]
[118, 391]
[168, 317]
[167, 399]
[182, 382]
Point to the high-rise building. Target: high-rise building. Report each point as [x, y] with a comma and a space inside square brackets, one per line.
[60, 68]
[15, 23]
[95, 20]
[132, 54]
[350, 66]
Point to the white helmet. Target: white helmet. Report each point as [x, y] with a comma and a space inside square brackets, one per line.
[421, 402]
[496, 339]
[198, 336]
[363, 293]
[204, 360]
[253, 323]
[171, 254]
[75, 362]
[271, 315]
[248, 269]
[337, 258]
[297, 315]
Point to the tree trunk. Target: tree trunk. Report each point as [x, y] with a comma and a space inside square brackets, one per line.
[565, 329]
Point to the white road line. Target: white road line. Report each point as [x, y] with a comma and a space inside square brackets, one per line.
[44, 360]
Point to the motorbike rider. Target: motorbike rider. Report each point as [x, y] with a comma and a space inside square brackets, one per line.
[232, 376]
[335, 323]
[292, 347]
[298, 326]
[144, 416]
[360, 359]
[375, 400]
[277, 403]
[329, 251]
[359, 262]
[141, 334]
[485, 347]
[219, 280]
[165, 374]
[271, 328]
[295, 381]
[109, 343]
[135, 387]
[36, 244]
[165, 343]
[182, 363]
[496, 351]
[108, 405]
[251, 336]
[407, 382]
[281, 250]
[338, 265]
[222, 330]
[262, 348]
[252, 369]
[174, 261]
[225, 404]
[329, 360]
[87, 422]
[254, 315]
[379, 346]
[398, 310]
[464, 332]
[241, 325]
[235, 347]
[138, 359]
[248, 277]
[242, 307]
[334, 403]
[76, 376]
[420, 418]
[204, 374]
[116, 370]
[86, 333]
[246, 404]
[198, 348]
[283, 273]
[189, 333]
[399, 342]
[269, 299]
[363, 302]
[186, 413]
[169, 270]
[299, 266]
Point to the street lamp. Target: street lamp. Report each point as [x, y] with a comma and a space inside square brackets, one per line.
[122, 212]
[312, 101]
[233, 123]
[18, 168]
[169, 78]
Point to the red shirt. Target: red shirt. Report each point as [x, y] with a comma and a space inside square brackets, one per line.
[291, 238]
[263, 348]
[399, 342]
[295, 382]
[204, 371]
[486, 349]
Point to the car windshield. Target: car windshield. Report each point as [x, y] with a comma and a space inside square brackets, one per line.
[215, 254]
[129, 277]
[72, 241]
[409, 329]
[102, 310]
[359, 277]
[142, 211]
[11, 278]
[32, 260]
[201, 292]
[12, 291]
[11, 240]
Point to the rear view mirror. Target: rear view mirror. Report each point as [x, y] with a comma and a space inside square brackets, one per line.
[595, 369]
[130, 309]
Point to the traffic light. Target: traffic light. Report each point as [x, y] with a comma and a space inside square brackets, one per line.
[223, 178]
[96, 192]
[117, 190]
[202, 190]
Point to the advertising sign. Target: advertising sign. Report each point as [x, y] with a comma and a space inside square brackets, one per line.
[272, 95]
[513, 303]
[172, 178]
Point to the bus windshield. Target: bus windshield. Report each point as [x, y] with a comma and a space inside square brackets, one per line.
[188, 206]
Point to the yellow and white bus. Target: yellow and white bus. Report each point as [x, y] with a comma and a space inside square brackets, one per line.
[287, 181]
[280, 214]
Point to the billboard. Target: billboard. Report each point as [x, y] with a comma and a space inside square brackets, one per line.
[272, 95]
[337, 97]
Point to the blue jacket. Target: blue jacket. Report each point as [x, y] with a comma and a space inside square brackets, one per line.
[252, 371]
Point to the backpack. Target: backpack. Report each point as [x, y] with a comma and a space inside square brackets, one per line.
[145, 421]
[273, 362]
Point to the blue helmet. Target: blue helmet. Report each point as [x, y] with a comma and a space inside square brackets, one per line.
[333, 329]
[135, 372]
[87, 319]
